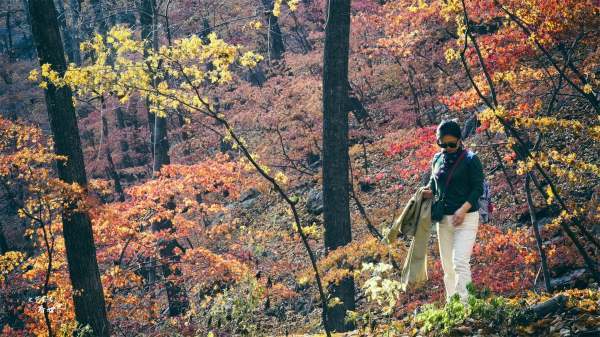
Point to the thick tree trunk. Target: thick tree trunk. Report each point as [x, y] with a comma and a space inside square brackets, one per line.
[336, 210]
[88, 296]
[275, 39]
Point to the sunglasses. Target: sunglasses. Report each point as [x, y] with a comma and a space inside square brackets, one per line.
[445, 145]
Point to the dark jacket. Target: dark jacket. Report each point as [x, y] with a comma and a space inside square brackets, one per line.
[466, 183]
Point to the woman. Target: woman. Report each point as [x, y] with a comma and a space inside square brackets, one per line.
[458, 227]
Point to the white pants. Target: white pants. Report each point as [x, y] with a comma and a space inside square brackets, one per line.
[456, 245]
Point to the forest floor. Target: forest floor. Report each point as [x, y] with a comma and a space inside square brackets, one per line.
[580, 315]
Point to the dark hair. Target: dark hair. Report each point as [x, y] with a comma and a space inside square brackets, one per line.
[448, 127]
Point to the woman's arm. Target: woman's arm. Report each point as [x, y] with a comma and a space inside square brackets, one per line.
[431, 183]
[475, 180]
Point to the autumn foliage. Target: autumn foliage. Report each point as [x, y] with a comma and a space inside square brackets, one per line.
[245, 133]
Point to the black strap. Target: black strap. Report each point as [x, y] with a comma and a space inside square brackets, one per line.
[454, 167]
[451, 170]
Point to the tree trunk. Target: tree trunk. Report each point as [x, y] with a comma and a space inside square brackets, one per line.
[275, 39]
[3, 242]
[88, 295]
[9, 41]
[157, 125]
[111, 171]
[176, 294]
[161, 144]
[74, 10]
[126, 160]
[538, 236]
[100, 23]
[71, 46]
[336, 210]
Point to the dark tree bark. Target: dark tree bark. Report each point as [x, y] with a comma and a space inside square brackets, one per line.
[120, 117]
[336, 210]
[3, 243]
[9, 38]
[275, 38]
[88, 295]
[161, 144]
[71, 45]
[176, 294]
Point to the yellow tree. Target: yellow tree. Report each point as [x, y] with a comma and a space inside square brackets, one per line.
[172, 77]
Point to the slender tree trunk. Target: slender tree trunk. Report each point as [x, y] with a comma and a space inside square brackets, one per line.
[161, 144]
[157, 125]
[3, 242]
[100, 23]
[88, 295]
[110, 168]
[336, 210]
[9, 42]
[176, 294]
[275, 39]
[415, 94]
[126, 160]
[301, 34]
[71, 47]
[538, 236]
[146, 23]
[74, 10]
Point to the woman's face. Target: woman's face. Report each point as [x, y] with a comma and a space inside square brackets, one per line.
[450, 139]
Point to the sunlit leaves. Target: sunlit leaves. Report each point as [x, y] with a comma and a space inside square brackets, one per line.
[135, 69]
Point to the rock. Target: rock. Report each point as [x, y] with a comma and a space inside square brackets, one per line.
[214, 220]
[313, 160]
[553, 240]
[366, 186]
[550, 211]
[249, 194]
[248, 198]
[248, 203]
[301, 306]
[314, 202]
[464, 329]
[553, 305]
[565, 332]
[568, 280]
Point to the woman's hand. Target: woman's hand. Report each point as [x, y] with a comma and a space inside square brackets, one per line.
[459, 215]
[427, 193]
